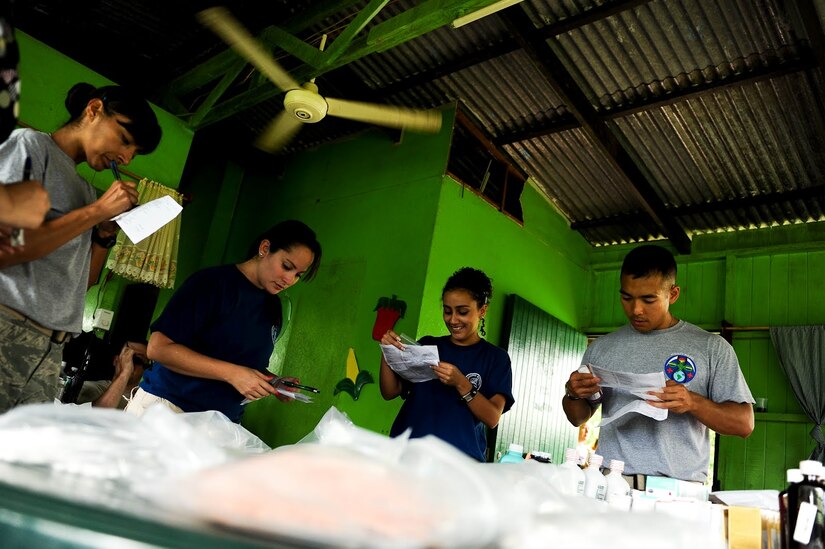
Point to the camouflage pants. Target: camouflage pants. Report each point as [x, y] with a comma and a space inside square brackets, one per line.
[29, 364]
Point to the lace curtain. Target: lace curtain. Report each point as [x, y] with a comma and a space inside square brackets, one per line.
[155, 259]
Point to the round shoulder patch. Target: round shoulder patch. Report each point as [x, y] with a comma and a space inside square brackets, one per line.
[680, 368]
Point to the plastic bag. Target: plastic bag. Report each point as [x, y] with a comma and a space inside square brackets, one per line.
[345, 486]
[56, 447]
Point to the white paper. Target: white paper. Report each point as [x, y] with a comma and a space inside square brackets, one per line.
[414, 363]
[636, 384]
[140, 222]
[764, 499]
[639, 407]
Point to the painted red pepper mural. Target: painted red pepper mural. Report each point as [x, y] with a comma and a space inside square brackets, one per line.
[389, 309]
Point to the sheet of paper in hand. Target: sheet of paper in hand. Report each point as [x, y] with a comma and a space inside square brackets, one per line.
[413, 363]
[636, 384]
[140, 222]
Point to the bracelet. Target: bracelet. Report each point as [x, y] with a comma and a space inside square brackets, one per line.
[469, 396]
[104, 242]
[569, 395]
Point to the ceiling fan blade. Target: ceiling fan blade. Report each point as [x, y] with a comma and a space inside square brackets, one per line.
[428, 121]
[222, 23]
[278, 132]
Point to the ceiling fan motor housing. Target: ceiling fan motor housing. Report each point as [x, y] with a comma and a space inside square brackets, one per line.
[305, 105]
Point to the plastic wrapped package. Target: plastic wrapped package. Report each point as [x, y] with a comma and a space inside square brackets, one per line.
[348, 487]
[102, 456]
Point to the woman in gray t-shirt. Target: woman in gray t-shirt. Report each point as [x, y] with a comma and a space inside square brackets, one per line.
[43, 284]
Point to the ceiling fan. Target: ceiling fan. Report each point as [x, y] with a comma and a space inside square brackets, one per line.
[302, 103]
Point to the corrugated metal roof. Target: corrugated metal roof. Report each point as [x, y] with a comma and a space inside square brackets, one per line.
[666, 77]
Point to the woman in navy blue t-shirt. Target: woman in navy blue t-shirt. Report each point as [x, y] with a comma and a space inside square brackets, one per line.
[212, 343]
[474, 383]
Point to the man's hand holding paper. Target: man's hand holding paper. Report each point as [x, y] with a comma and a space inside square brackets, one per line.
[674, 397]
[643, 386]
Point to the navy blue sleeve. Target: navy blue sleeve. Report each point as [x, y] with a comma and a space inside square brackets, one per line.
[500, 379]
[191, 308]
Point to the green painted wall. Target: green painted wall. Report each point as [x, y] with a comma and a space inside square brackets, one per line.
[542, 261]
[373, 204]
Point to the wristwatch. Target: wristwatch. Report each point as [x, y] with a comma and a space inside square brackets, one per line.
[105, 242]
[570, 395]
[470, 396]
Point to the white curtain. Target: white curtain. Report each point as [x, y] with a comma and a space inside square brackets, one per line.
[155, 259]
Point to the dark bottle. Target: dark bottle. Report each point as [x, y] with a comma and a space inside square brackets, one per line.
[793, 476]
[806, 509]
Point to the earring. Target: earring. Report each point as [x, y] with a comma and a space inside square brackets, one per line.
[260, 254]
[481, 328]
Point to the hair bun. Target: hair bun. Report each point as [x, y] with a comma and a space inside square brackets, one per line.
[78, 97]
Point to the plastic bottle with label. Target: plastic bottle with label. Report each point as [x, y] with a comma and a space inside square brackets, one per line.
[514, 454]
[595, 484]
[618, 490]
[571, 477]
[806, 509]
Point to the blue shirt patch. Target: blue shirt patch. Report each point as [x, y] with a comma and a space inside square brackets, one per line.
[680, 368]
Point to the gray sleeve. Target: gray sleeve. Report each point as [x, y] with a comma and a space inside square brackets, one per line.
[727, 381]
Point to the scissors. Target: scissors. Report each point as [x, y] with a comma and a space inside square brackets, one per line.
[279, 380]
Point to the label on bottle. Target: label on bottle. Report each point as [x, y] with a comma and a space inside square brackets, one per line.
[805, 522]
[601, 492]
[580, 487]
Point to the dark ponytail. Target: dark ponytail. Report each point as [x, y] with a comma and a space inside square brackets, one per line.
[142, 125]
[287, 234]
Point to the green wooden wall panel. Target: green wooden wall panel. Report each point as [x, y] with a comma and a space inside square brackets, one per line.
[755, 458]
[770, 289]
[775, 455]
[761, 288]
[798, 283]
[543, 351]
[743, 293]
[713, 291]
[732, 459]
[816, 289]
[780, 291]
[608, 311]
[690, 280]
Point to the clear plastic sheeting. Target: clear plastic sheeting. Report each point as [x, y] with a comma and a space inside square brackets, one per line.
[343, 486]
[101, 455]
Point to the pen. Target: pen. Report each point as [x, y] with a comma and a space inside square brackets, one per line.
[115, 171]
[299, 386]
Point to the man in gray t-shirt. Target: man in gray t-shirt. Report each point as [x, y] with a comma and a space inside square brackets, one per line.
[705, 388]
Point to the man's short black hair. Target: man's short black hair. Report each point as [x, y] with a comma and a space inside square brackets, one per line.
[649, 260]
